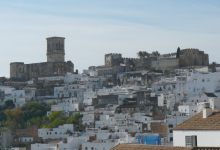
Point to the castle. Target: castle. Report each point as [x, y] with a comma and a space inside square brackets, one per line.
[115, 63]
[55, 63]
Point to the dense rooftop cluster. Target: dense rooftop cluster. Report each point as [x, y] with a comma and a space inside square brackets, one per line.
[156, 101]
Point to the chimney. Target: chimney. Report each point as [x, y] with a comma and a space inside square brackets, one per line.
[207, 111]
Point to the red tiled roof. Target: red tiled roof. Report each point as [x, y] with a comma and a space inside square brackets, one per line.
[147, 147]
[197, 122]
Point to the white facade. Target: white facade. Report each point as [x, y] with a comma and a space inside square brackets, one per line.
[26, 139]
[105, 141]
[191, 110]
[173, 121]
[51, 78]
[208, 138]
[88, 118]
[72, 90]
[63, 131]
[203, 82]
[20, 97]
[7, 89]
[73, 143]
[70, 78]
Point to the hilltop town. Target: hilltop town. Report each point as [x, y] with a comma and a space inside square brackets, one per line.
[171, 100]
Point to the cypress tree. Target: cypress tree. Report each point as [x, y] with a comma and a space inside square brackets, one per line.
[178, 52]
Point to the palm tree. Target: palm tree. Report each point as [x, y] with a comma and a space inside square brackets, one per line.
[143, 54]
[214, 63]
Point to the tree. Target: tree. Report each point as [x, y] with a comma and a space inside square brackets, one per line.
[213, 63]
[178, 52]
[15, 119]
[33, 109]
[143, 54]
[57, 122]
[9, 104]
[2, 116]
[74, 119]
[56, 114]
[35, 121]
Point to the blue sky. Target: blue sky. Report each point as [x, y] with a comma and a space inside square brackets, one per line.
[93, 28]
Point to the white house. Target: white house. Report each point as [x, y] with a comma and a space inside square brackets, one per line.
[105, 141]
[202, 129]
[63, 131]
[20, 97]
[71, 143]
[199, 83]
[51, 78]
[69, 106]
[70, 78]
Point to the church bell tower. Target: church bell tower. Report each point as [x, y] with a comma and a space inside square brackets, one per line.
[55, 49]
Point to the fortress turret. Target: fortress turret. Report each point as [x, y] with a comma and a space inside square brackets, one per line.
[55, 49]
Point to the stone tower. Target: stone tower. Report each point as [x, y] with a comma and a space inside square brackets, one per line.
[55, 49]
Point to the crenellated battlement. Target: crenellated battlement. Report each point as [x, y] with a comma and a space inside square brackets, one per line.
[125, 58]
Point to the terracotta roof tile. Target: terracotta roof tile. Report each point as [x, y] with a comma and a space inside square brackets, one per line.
[148, 147]
[55, 141]
[197, 122]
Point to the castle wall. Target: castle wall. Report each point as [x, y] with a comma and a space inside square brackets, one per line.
[15, 68]
[28, 71]
[136, 64]
[164, 64]
[113, 59]
[193, 57]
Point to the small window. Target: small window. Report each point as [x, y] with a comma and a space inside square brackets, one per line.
[171, 131]
[208, 80]
[170, 125]
[171, 139]
[203, 80]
